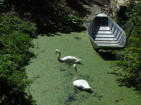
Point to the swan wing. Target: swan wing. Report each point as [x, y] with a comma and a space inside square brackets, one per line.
[77, 83]
[70, 59]
[85, 83]
[81, 83]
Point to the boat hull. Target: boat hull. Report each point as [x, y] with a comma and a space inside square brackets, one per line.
[105, 33]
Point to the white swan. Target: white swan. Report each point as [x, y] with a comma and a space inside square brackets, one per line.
[67, 59]
[80, 83]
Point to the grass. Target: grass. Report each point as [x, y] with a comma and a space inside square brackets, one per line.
[54, 85]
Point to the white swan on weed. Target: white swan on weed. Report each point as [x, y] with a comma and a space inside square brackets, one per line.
[67, 59]
[80, 83]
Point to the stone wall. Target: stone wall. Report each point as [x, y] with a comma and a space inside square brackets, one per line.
[114, 6]
[108, 7]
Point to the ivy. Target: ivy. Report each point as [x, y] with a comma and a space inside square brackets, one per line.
[15, 41]
[130, 58]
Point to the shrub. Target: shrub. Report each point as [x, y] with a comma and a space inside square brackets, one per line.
[130, 58]
[15, 42]
[49, 15]
[10, 22]
[75, 22]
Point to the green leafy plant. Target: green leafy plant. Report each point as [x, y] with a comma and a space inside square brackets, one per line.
[129, 60]
[10, 23]
[49, 16]
[15, 41]
[73, 21]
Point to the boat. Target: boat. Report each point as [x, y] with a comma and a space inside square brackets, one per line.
[105, 33]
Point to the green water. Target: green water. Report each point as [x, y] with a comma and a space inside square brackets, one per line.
[54, 85]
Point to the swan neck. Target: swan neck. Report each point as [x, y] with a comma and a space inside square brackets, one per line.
[75, 70]
[76, 74]
[75, 77]
[59, 56]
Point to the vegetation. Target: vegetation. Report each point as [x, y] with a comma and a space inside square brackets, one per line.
[49, 15]
[15, 42]
[17, 29]
[130, 57]
[10, 23]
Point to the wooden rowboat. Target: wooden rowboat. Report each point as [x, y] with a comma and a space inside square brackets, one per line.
[105, 33]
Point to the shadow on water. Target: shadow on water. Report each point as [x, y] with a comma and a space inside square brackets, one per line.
[105, 53]
[107, 56]
[127, 82]
[78, 90]
[77, 38]
[71, 98]
[62, 70]
[90, 91]
[130, 83]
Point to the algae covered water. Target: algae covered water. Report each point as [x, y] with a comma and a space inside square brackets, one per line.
[54, 85]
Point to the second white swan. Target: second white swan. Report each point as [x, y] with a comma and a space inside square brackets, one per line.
[80, 83]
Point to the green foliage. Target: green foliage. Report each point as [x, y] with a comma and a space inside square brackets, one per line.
[49, 15]
[15, 42]
[10, 23]
[130, 57]
[75, 22]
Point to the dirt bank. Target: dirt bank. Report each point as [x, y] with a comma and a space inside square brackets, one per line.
[88, 9]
